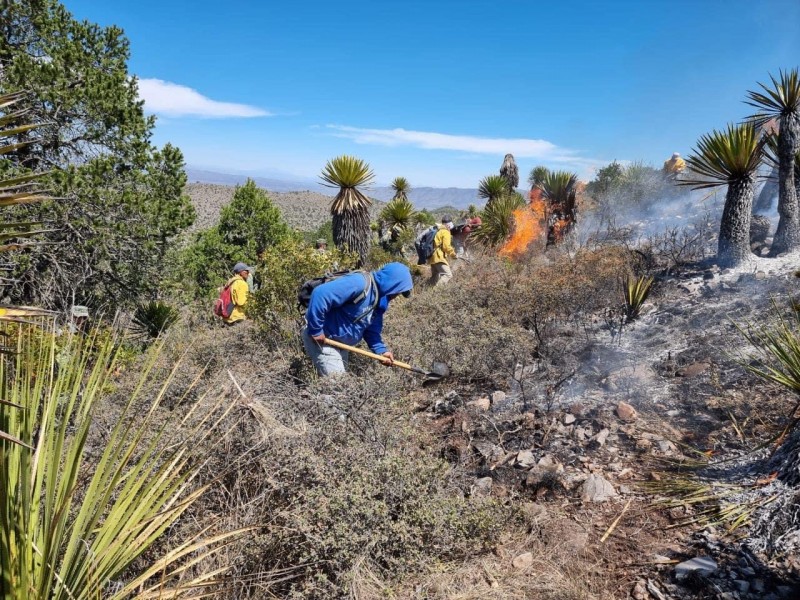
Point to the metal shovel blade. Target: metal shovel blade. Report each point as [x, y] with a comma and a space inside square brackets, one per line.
[438, 371]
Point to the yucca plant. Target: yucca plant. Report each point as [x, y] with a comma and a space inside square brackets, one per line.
[730, 157]
[537, 176]
[153, 318]
[510, 172]
[771, 155]
[73, 530]
[399, 212]
[560, 189]
[401, 188]
[424, 218]
[350, 207]
[492, 188]
[635, 291]
[781, 101]
[498, 220]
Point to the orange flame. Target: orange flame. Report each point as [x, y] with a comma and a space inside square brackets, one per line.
[528, 226]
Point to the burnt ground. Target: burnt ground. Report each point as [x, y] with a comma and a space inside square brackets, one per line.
[657, 423]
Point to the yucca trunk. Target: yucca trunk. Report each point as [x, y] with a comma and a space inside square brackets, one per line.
[351, 232]
[787, 236]
[763, 203]
[734, 231]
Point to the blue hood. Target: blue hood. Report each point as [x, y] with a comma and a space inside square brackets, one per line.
[394, 278]
[333, 311]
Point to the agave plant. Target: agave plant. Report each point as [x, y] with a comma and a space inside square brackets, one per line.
[730, 157]
[492, 188]
[401, 188]
[634, 292]
[537, 176]
[153, 318]
[781, 101]
[498, 220]
[350, 207]
[398, 212]
[510, 172]
[71, 530]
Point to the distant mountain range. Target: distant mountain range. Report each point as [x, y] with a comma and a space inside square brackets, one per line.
[422, 197]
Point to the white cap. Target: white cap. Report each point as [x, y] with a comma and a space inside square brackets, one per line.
[676, 155]
[80, 311]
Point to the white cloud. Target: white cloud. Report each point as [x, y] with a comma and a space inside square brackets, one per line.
[174, 100]
[519, 147]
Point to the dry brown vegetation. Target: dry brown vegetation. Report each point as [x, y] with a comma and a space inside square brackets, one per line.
[373, 486]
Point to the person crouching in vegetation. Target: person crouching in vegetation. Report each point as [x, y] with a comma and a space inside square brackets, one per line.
[442, 250]
[239, 291]
[348, 309]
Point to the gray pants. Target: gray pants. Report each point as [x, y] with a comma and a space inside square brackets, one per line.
[440, 274]
[327, 360]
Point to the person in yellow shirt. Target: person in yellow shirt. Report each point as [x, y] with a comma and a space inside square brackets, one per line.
[442, 250]
[239, 292]
[675, 165]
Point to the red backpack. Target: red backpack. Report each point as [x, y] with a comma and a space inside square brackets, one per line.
[223, 306]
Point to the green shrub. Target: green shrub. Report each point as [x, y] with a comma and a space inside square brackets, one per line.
[283, 268]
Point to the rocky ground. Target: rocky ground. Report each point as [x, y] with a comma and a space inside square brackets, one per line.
[649, 455]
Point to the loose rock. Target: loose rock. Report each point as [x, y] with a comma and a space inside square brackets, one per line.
[597, 489]
[523, 561]
[703, 565]
[480, 405]
[525, 459]
[626, 412]
[482, 487]
[498, 397]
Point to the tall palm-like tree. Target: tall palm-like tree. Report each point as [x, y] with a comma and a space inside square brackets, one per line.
[559, 190]
[498, 220]
[781, 101]
[350, 207]
[401, 188]
[730, 157]
[771, 155]
[537, 176]
[510, 172]
[492, 188]
[399, 212]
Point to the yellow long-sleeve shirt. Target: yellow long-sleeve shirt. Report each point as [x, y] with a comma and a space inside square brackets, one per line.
[674, 165]
[239, 292]
[442, 247]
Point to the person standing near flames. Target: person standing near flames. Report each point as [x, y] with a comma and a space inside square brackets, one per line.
[674, 166]
[460, 235]
[442, 250]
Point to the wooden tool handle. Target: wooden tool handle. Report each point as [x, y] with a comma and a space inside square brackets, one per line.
[369, 354]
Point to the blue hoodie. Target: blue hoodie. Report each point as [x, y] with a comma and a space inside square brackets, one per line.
[331, 309]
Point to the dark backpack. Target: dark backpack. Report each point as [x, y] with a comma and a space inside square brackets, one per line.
[223, 306]
[424, 244]
[307, 287]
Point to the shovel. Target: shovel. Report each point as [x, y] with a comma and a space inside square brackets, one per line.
[439, 372]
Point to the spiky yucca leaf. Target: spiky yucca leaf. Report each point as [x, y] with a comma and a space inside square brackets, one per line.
[724, 157]
[780, 100]
[348, 173]
[152, 319]
[401, 188]
[560, 187]
[537, 176]
[635, 291]
[399, 211]
[492, 188]
[771, 155]
[70, 529]
[498, 220]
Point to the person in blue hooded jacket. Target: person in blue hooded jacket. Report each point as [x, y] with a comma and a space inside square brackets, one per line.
[349, 309]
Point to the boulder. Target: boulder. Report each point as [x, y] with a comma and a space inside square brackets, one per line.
[546, 472]
[482, 487]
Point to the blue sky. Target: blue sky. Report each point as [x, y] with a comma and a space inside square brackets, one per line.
[438, 91]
